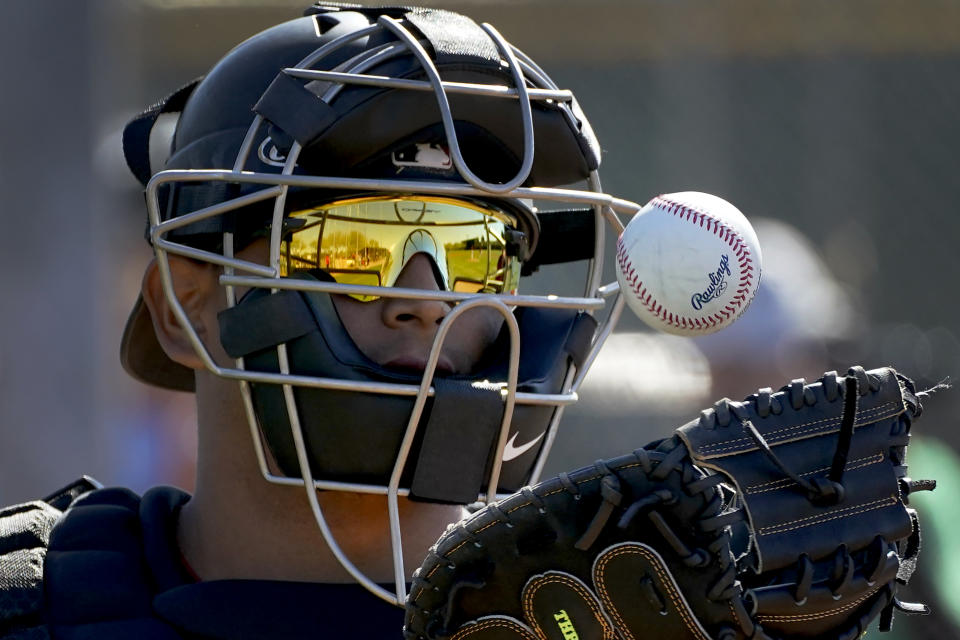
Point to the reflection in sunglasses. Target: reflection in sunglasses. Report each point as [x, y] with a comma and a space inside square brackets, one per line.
[369, 240]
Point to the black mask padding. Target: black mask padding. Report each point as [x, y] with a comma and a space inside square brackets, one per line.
[464, 419]
[564, 236]
[268, 321]
[354, 436]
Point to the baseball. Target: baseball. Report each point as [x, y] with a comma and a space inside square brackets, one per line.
[688, 263]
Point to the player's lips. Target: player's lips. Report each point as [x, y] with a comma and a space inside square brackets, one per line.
[416, 364]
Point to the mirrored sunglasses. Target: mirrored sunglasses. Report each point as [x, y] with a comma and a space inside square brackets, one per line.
[369, 240]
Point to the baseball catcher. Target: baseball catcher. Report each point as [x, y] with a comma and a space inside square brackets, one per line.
[781, 516]
[341, 227]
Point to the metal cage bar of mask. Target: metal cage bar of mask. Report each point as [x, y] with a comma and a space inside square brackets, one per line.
[276, 186]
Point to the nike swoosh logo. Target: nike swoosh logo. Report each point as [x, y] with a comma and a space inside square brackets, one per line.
[511, 451]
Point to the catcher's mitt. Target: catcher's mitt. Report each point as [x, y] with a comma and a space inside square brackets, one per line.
[781, 516]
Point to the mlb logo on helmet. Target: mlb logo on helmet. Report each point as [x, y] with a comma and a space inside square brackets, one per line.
[422, 155]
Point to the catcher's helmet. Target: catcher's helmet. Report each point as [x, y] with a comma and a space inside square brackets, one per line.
[402, 118]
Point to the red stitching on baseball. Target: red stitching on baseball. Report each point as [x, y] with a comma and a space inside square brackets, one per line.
[725, 233]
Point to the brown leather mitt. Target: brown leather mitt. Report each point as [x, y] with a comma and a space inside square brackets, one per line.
[782, 516]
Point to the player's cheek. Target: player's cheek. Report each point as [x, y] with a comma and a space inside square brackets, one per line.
[474, 333]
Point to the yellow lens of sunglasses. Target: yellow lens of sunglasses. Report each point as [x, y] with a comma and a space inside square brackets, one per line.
[368, 241]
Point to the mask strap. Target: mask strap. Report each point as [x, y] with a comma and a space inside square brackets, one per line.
[464, 419]
[263, 322]
[565, 236]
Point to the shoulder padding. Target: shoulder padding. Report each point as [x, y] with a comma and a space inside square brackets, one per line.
[24, 535]
[98, 584]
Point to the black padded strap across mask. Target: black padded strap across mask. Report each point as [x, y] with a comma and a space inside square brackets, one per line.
[264, 322]
[580, 338]
[465, 420]
[565, 236]
[295, 109]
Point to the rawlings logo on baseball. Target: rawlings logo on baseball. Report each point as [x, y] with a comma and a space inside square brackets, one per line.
[718, 284]
[668, 266]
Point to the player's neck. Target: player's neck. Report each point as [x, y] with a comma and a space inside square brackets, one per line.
[238, 525]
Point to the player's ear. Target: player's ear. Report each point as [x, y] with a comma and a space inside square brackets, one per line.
[194, 284]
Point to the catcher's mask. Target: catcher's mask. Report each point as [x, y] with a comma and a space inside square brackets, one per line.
[377, 135]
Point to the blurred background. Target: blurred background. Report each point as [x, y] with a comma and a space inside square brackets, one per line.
[831, 125]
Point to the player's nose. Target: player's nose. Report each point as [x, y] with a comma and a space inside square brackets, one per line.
[418, 273]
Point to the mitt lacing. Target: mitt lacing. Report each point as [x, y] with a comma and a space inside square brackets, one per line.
[612, 497]
[843, 571]
[710, 518]
[821, 490]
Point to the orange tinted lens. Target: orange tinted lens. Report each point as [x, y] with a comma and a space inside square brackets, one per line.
[368, 240]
